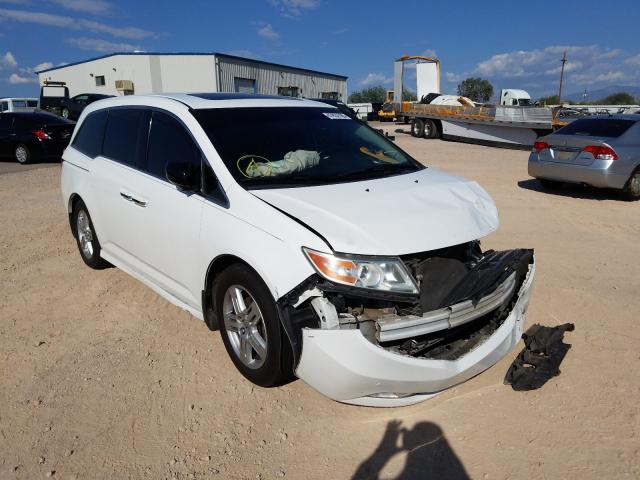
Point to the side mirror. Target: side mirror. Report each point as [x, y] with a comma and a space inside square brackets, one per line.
[183, 175]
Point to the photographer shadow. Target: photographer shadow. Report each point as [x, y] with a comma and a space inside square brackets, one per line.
[428, 454]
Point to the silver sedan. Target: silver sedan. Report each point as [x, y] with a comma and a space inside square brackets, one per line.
[600, 151]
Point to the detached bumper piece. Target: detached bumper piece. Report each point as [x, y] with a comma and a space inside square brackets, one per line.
[541, 357]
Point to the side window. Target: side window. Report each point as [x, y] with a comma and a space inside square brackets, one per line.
[4, 106]
[169, 142]
[125, 136]
[89, 138]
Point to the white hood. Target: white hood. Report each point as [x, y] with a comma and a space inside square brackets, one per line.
[396, 215]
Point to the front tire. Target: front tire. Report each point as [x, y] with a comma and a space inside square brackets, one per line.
[631, 190]
[250, 327]
[86, 237]
[22, 154]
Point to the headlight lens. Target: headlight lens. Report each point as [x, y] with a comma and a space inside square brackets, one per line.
[374, 273]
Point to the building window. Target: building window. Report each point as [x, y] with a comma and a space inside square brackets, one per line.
[100, 81]
[289, 91]
[330, 95]
[244, 85]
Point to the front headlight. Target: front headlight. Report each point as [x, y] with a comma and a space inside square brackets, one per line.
[374, 273]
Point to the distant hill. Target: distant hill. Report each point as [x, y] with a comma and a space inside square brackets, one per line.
[594, 95]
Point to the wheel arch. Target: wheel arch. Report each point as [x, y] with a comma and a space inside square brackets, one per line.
[216, 266]
[74, 198]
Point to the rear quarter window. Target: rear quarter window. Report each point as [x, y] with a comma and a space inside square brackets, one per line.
[597, 127]
[89, 138]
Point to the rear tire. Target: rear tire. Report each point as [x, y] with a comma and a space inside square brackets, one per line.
[417, 128]
[550, 184]
[250, 327]
[430, 129]
[22, 154]
[86, 237]
[631, 190]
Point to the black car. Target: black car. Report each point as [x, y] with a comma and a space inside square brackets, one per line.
[75, 105]
[29, 136]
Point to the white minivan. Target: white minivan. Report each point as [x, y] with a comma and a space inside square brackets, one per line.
[314, 244]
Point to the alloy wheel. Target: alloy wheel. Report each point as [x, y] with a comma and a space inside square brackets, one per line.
[85, 237]
[22, 155]
[245, 327]
[634, 185]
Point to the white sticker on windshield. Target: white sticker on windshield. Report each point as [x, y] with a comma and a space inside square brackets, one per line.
[336, 116]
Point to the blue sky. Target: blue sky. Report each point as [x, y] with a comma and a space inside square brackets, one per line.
[513, 44]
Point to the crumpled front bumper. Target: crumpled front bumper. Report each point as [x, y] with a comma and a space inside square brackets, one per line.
[345, 366]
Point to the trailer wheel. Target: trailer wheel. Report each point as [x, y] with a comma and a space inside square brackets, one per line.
[417, 128]
[430, 129]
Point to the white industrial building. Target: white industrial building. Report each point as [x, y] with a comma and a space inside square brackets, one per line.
[142, 72]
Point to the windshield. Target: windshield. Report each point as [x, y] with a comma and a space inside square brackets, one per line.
[290, 147]
[525, 102]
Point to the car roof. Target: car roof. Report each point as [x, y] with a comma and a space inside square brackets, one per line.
[206, 100]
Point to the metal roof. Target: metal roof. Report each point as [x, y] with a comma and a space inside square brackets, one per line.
[225, 55]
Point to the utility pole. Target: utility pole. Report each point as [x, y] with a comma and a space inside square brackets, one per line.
[563, 60]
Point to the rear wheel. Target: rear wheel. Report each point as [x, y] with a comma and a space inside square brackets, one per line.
[86, 237]
[250, 327]
[550, 184]
[417, 128]
[632, 189]
[22, 154]
[430, 129]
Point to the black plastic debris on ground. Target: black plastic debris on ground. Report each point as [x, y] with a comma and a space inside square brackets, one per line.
[541, 357]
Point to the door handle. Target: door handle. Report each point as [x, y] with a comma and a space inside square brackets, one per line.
[130, 197]
[139, 202]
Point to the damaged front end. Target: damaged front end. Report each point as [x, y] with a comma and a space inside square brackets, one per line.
[381, 348]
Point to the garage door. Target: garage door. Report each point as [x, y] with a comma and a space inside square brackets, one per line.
[244, 85]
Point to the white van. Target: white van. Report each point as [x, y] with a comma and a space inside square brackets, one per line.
[18, 104]
[315, 245]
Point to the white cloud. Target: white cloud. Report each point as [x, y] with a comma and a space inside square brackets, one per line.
[590, 65]
[43, 66]
[267, 31]
[99, 45]
[294, 8]
[16, 79]
[60, 21]
[94, 7]
[633, 61]
[374, 79]
[522, 63]
[453, 77]
[8, 60]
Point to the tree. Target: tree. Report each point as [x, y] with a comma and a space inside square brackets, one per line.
[408, 96]
[368, 95]
[477, 89]
[549, 100]
[620, 98]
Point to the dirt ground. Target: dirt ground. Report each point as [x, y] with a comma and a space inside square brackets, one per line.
[100, 378]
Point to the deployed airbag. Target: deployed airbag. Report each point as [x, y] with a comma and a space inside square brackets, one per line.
[295, 161]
